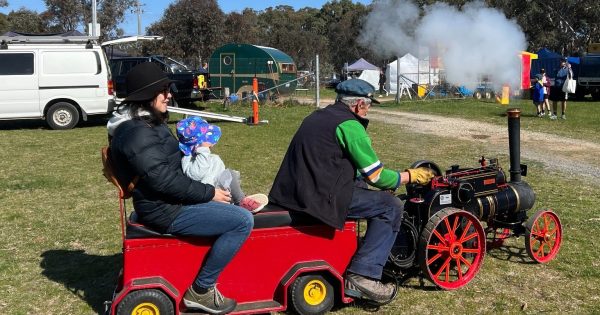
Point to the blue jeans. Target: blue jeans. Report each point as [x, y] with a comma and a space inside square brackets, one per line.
[383, 212]
[230, 224]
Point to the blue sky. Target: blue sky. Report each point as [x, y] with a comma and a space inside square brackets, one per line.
[153, 9]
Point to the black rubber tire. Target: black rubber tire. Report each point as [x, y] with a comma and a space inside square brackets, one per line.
[301, 305]
[477, 95]
[62, 115]
[156, 302]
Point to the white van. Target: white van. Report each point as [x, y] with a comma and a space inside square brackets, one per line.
[57, 78]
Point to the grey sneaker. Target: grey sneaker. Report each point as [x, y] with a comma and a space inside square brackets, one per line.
[361, 287]
[212, 302]
[563, 116]
[553, 117]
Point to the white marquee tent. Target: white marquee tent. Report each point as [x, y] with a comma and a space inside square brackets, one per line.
[412, 70]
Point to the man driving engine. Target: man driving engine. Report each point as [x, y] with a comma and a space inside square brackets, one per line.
[318, 176]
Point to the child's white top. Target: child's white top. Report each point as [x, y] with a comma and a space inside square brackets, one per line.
[203, 166]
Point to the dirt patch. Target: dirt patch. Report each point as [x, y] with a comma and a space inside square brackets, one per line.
[567, 155]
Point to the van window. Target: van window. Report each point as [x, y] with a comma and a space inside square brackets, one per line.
[70, 62]
[16, 64]
[288, 68]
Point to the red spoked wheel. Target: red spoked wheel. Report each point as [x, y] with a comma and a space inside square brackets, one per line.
[544, 236]
[451, 248]
[496, 237]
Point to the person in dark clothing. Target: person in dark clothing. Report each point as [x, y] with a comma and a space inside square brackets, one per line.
[146, 153]
[318, 177]
[556, 91]
[382, 83]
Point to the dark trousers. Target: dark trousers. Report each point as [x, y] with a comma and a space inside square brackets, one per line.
[383, 212]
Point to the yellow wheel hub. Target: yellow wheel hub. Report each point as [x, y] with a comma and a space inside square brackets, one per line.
[145, 309]
[315, 292]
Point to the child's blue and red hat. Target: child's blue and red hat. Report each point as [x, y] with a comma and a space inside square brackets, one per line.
[193, 131]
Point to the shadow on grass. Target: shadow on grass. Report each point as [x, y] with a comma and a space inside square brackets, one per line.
[510, 253]
[92, 278]
[93, 121]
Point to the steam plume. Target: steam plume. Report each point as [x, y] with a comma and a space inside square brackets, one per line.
[473, 42]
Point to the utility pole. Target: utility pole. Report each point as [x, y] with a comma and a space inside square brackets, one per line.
[94, 19]
[138, 10]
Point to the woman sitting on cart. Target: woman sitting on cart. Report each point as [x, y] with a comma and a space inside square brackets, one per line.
[145, 153]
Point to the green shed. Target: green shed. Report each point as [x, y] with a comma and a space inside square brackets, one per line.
[233, 66]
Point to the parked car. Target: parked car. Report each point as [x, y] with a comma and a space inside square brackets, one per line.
[331, 83]
[184, 89]
[62, 79]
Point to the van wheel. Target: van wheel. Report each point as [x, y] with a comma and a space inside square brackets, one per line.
[311, 295]
[62, 115]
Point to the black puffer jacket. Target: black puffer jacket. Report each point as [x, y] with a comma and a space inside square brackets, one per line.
[152, 153]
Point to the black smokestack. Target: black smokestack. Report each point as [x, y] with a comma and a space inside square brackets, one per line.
[514, 143]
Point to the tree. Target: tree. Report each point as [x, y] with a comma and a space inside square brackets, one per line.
[191, 29]
[25, 21]
[343, 20]
[64, 15]
[566, 26]
[3, 3]
[110, 13]
[242, 27]
[296, 33]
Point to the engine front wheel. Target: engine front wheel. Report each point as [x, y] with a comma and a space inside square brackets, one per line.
[311, 295]
[451, 248]
[544, 236]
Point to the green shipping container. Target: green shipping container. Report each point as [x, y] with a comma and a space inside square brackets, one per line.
[233, 66]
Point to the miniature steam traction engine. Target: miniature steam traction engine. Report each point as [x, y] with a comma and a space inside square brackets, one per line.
[442, 231]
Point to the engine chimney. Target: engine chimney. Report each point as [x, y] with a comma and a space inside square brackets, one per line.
[514, 143]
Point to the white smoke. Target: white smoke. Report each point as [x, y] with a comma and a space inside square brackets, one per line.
[472, 43]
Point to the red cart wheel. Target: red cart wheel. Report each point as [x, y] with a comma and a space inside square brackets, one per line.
[451, 248]
[544, 235]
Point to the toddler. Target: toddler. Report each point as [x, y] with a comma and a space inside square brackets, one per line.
[196, 137]
[538, 94]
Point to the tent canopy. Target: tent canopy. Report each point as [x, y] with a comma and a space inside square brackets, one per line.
[550, 61]
[546, 53]
[360, 65]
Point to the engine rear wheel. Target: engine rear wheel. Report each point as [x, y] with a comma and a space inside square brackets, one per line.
[544, 236]
[402, 254]
[312, 294]
[451, 248]
[146, 302]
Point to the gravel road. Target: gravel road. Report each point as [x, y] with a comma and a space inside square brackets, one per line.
[570, 156]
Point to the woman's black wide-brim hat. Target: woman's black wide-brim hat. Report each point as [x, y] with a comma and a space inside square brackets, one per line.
[145, 81]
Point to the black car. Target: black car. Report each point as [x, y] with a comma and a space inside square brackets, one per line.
[331, 83]
[183, 89]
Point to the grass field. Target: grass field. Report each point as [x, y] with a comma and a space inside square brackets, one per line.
[60, 236]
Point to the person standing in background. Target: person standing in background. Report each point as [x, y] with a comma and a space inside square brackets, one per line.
[556, 92]
[546, 83]
[382, 83]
